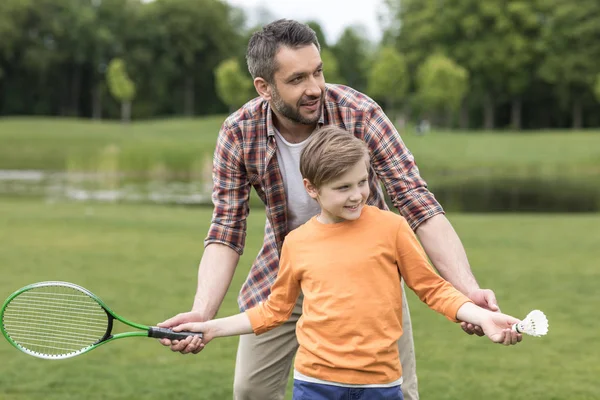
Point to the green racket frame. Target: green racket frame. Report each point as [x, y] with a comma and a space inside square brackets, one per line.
[145, 331]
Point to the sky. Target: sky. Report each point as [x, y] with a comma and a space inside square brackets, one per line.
[333, 15]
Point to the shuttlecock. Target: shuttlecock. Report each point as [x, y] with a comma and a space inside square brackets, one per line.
[534, 324]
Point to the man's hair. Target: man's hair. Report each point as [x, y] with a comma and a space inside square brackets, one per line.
[264, 44]
[331, 152]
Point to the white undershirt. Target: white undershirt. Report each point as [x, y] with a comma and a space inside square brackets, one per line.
[301, 207]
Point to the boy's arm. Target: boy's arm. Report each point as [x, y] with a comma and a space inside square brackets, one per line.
[284, 294]
[229, 326]
[396, 167]
[495, 325]
[262, 318]
[420, 276]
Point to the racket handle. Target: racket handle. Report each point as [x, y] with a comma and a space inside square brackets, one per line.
[166, 333]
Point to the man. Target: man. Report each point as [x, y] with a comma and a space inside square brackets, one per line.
[259, 146]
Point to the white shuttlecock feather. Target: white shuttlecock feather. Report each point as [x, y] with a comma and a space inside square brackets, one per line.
[534, 324]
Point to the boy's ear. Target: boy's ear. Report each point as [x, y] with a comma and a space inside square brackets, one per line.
[262, 88]
[310, 189]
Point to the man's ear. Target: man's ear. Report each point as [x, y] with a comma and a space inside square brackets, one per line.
[263, 88]
[310, 189]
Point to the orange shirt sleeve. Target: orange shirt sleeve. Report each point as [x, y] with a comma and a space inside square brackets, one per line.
[281, 302]
[420, 276]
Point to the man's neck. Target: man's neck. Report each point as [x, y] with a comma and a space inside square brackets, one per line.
[293, 132]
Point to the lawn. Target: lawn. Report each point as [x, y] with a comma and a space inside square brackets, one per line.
[142, 259]
[178, 145]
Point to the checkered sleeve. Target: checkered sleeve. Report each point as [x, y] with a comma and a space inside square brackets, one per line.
[230, 193]
[395, 166]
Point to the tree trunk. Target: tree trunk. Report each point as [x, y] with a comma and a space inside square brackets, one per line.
[488, 112]
[464, 115]
[448, 118]
[515, 114]
[188, 105]
[577, 114]
[75, 91]
[126, 112]
[97, 102]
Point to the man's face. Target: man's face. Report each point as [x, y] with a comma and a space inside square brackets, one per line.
[298, 89]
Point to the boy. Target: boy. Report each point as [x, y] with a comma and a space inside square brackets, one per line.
[348, 262]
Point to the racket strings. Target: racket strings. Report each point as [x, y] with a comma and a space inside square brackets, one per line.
[55, 320]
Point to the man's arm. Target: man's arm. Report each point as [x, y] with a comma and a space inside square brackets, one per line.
[214, 277]
[447, 254]
[396, 167]
[226, 236]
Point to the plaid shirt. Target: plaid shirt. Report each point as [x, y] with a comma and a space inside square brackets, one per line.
[245, 156]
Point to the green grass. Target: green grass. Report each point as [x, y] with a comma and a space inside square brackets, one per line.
[142, 261]
[61, 144]
[177, 144]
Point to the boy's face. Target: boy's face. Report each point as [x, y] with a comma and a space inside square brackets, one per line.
[343, 198]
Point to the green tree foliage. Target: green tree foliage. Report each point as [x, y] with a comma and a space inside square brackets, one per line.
[389, 79]
[530, 62]
[331, 67]
[195, 35]
[597, 88]
[571, 48]
[234, 87]
[442, 85]
[121, 86]
[351, 52]
[315, 26]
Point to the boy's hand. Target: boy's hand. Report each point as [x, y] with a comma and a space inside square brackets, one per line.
[498, 327]
[195, 344]
[484, 298]
[192, 344]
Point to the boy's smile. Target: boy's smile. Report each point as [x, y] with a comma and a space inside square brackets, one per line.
[343, 198]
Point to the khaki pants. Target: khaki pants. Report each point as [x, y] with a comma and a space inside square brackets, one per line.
[263, 362]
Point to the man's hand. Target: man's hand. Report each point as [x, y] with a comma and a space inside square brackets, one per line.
[484, 298]
[190, 345]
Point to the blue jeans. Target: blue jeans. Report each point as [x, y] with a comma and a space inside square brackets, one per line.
[315, 391]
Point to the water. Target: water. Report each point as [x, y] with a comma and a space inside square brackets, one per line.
[103, 187]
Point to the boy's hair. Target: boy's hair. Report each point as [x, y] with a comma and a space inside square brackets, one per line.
[264, 44]
[330, 152]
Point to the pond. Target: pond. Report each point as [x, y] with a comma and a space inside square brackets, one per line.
[103, 187]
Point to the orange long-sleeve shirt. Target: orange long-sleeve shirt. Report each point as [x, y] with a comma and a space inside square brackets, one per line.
[349, 273]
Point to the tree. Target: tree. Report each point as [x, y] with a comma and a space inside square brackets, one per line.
[121, 87]
[331, 67]
[196, 35]
[315, 26]
[389, 79]
[234, 87]
[597, 88]
[571, 52]
[442, 85]
[351, 50]
[494, 40]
